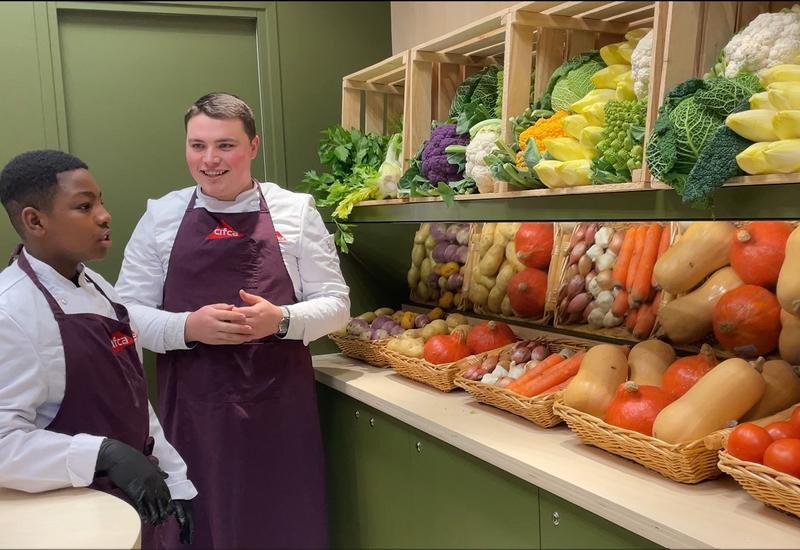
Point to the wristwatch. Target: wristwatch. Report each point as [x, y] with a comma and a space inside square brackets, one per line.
[283, 325]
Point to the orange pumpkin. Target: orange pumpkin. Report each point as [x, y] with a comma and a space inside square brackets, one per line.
[758, 251]
[489, 335]
[445, 349]
[747, 321]
[527, 292]
[635, 407]
[684, 373]
[534, 244]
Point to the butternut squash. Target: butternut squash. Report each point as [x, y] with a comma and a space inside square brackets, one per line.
[688, 319]
[788, 290]
[789, 341]
[783, 390]
[724, 394]
[602, 370]
[648, 360]
[704, 248]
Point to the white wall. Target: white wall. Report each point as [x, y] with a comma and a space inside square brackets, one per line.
[416, 22]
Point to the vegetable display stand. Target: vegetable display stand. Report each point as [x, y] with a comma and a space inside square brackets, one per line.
[689, 462]
[537, 409]
[489, 279]
[773, 488]
[380, 90]
[368, 351]
[441, 377]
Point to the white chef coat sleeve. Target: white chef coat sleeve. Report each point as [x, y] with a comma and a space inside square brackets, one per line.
[324, 304]
[171, 462]
[33, 459]
[141, 286]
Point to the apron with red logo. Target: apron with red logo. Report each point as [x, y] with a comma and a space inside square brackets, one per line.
[105, 392]
[243, 417]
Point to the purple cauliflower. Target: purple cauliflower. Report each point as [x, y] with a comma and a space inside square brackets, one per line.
[435, 167]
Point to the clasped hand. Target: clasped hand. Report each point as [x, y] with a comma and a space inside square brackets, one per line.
[228, 324]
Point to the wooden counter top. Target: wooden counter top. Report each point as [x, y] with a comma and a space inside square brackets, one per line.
[67, 518]
[712, 514]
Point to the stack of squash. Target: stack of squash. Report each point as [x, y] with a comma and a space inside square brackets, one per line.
[739, 284]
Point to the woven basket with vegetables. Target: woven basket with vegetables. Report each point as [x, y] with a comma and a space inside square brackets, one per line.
[523, 378]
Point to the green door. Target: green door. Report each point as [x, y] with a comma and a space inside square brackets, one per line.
[565, 525]
[464, 502]
[128, 79]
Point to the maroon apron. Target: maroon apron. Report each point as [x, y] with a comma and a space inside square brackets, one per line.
[244, 417]
[105, 392]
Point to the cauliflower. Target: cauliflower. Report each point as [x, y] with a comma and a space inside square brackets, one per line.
[482, 142]
[435, 166]
[769, 40]
[640, 65]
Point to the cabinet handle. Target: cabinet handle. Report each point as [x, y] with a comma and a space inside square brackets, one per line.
[371, 422]
[419, 446]
[556, 519]
[357, 414]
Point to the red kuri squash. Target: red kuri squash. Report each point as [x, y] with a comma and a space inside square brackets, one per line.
[686, 371]
[527, 292]
[489, 335]
[445, 349]
[747, 321]
[635, 407]
[534, 244]
[758, 251]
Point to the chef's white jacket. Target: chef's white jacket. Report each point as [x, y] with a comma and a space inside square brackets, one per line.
[308, 251]
[32, 380]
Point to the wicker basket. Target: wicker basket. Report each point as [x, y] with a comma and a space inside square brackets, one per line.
[689, 462]
[440, 377]
[538, 409]
[769, 486]
[370, 352]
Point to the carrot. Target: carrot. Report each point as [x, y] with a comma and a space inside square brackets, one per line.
[557, 387]
[554, 376]
[645, 322]
[620, 305]
[641, 233]
[644, 272]
[630, 320]
[549, 361]
[620, 273]
[656, 303]
[666, 236]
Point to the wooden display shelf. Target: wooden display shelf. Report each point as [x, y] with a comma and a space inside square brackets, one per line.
[378, 90]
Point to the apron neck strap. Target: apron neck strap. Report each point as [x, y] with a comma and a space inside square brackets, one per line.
[262, 201]
[25, 266]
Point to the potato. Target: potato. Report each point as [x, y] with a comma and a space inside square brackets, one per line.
[499, 238]
[434, 328]
[500, 289]
[505, 307]
[412, 333]
[425, 269]
[511, 257]
[487, 238]
[384, 311]
[455, 319]
[490, 262]
[423, 291]
[494, 300]
[418, 254]
[430, 242]
[368, 316]
[422, 233]
[410, 347]
[508, 230]
[478, 294]
[413, 276]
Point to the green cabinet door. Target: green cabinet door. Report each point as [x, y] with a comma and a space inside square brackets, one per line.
[384, 474]
[564, 525]
[463, 502]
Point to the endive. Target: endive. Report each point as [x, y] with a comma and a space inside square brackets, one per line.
[575, 172]
[780, 73]
[565, 149]
[786, 124]
[546, 170]
[574, 124]
[601, 96]
[760, 101]
[755, 125]
[591, 135]
[608, 77]
[783, 157]
[752, 160]
[784, 95]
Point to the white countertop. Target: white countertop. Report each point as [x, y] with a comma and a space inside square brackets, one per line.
[712, 514]
[67, 518]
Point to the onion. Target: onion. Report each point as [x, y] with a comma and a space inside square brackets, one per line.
[571, 272]
[438, 232]
[616, 242]
[579, 303]
[381, 322]
[440, 253]
[586, 312]
[421, 320]
[489, 363]
[356, 326]
[577, 251]
[577, 237]
[539, 353]
[562, 293]
[604, 280]
[451, 232]
[397, 330]
[584, 265]
[606, 261]
[575, 286]
[591, 230]
[589, 278]
[450, 253]
[521, 355]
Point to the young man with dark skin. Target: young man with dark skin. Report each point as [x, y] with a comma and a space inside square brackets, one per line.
[73, 396]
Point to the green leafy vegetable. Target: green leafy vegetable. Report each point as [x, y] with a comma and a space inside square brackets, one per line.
[545, 102]
[481, 86]
[574, 86]
[620, 144]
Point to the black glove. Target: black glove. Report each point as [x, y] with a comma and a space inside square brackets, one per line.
[185, 517]
[140, 480]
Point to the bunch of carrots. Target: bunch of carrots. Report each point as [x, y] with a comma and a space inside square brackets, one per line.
[638, 296]
[549, 375]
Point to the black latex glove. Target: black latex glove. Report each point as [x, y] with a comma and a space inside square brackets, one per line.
[140, 480]
[185, 517]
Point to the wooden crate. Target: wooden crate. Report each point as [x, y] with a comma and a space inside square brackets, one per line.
[378, 91]
[690, 38]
